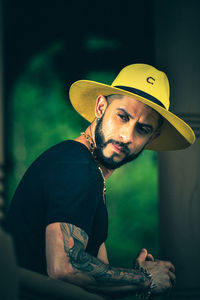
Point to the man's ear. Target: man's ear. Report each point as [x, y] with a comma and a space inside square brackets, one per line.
[101, 104]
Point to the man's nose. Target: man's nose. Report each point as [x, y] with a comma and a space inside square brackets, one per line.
[126, 135]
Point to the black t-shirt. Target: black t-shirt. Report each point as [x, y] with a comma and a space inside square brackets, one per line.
[63, 185]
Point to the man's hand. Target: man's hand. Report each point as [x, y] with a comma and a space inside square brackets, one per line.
[162, 271]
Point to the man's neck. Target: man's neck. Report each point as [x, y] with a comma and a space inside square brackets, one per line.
[81, 139]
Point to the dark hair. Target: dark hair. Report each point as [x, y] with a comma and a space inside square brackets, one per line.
[110, 98]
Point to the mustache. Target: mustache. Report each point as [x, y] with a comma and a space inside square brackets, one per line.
[123, 146]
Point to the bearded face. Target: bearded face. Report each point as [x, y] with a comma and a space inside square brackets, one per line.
[125, 128]
[101, 143]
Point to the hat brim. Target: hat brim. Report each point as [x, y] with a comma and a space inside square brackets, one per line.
[175, 133]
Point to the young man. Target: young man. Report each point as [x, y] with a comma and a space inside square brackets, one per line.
[58, 216]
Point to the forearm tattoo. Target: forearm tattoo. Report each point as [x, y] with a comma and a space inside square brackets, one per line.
[75, 241]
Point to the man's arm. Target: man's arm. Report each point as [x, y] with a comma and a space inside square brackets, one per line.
[68, 260]
[102, 254]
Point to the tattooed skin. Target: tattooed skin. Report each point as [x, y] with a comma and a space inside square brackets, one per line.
[75, 241]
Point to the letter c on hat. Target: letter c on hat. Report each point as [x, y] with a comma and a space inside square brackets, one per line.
[150, 80]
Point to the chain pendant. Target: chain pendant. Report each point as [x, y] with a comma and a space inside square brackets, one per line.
[92, 148]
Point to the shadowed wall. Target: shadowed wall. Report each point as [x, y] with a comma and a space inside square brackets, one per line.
[177, 51]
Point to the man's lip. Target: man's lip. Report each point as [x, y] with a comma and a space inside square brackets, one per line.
[118, 149]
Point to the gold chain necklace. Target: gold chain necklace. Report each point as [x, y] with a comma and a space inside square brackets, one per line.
[92, 148]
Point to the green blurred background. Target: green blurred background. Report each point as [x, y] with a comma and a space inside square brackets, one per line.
[49, 46]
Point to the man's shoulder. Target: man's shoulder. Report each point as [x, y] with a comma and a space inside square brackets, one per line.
[68, 161]
[64, 156]
[68, 151]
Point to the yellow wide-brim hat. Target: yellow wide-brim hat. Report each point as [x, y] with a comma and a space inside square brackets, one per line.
[145, 84]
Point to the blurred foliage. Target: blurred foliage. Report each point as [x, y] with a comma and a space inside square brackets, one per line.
[133, 224]
[94, 43]
[42, 116]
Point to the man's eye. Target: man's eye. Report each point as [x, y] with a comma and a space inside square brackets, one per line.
[142, 130]
[123, 117]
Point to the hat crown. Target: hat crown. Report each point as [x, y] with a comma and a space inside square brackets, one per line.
[146, 79]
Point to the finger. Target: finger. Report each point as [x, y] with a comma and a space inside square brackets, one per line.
[172, 268]
[172, 278]
[142, 255]
[150, 257]
[168, 264]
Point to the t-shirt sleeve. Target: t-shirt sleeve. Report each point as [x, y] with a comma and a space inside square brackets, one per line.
[72, 192]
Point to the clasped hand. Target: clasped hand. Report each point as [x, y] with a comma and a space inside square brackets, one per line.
[163, 272]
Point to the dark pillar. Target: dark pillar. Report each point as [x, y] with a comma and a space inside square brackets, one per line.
[1, 117]
[177, 29]
[8, 273]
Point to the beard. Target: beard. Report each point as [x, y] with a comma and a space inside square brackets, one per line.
[109, 162]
